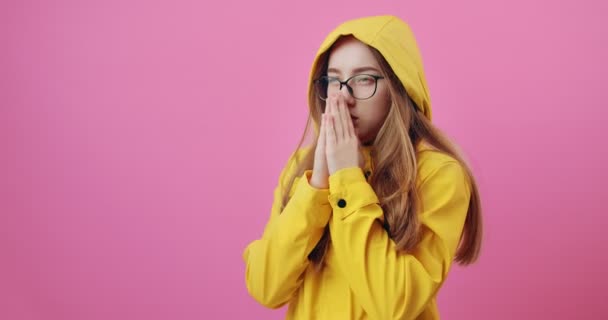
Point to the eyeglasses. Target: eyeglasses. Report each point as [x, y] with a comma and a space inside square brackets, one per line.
[360, 86]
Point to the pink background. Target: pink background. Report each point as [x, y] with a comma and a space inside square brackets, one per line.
[141, 141]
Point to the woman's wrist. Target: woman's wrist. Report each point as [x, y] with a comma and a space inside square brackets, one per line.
[318, 183]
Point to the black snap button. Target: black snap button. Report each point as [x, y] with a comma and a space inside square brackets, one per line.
[341, 203]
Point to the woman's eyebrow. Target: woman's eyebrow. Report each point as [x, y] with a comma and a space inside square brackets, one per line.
[355, 71]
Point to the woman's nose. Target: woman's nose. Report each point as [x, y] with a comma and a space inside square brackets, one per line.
[347, 96]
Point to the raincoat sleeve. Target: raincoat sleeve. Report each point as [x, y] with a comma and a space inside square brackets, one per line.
[275, 263]
[389, 284]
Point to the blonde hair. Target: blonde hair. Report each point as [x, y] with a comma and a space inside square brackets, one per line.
[394, 177]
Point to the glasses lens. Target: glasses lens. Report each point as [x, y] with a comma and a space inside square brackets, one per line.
[321, 87]
[364, 86]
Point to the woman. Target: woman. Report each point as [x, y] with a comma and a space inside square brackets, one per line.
[367, 221]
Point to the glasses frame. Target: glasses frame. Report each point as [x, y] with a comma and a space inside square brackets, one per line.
[345, 83]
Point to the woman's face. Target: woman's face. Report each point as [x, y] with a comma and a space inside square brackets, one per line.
[350, 57]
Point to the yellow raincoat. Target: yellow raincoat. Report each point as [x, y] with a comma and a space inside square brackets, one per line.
[364, 277]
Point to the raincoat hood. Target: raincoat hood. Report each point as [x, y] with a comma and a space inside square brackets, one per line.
[394, 39]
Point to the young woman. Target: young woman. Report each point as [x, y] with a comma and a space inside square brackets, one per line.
[367, 221]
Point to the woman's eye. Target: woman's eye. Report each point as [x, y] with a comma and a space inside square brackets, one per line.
[333, 82]
[364, 80]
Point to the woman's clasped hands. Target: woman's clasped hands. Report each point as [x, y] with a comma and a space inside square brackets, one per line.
[338, 146]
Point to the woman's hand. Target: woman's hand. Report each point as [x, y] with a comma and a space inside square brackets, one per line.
[320, 173]
[342, 145]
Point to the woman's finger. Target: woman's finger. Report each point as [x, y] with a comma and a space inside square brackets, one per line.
[344, 118]
[351, 126]
[330, 134]
[337, 120]
[321, 140]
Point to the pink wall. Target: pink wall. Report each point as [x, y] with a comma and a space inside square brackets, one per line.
[141, 141]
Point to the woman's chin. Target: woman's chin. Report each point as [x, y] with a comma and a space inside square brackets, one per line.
[360, 135]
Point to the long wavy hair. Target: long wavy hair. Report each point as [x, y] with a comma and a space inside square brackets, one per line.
[394, 177]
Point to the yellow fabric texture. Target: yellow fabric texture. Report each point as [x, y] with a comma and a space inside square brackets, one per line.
[364, 276]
